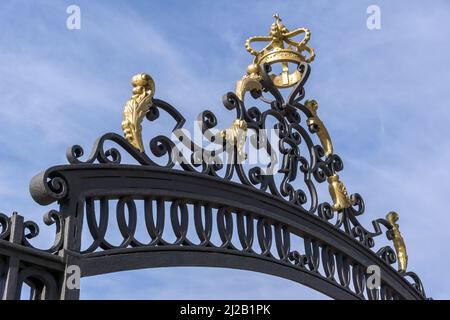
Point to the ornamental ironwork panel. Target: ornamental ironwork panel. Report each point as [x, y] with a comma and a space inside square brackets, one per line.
[210, 206]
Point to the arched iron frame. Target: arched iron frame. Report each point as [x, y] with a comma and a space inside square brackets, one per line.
[254, 217]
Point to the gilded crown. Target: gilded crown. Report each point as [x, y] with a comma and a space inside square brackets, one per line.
[282, 48]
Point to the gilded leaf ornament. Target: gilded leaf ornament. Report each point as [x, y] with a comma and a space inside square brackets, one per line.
[237, 135]
[399, 243]
[338, 193]
[136, 109]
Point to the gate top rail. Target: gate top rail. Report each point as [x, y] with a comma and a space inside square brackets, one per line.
[284, 128]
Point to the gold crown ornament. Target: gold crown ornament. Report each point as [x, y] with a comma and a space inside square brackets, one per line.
[281, 49]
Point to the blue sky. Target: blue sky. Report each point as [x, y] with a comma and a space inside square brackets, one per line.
[383, 94]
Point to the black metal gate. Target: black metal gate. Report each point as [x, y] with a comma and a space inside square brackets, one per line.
[221, 213]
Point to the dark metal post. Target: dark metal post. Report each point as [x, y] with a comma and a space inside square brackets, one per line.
[11, 281]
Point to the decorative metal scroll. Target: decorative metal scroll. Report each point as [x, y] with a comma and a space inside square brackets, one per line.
[311, 168]
[212, 206]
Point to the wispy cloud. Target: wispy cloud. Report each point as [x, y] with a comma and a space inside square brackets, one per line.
[383, 95]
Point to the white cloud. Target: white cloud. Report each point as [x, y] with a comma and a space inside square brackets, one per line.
[383, 95]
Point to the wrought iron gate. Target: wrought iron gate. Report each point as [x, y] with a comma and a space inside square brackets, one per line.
[222, 212]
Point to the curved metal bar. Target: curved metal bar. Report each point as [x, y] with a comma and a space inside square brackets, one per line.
[42, 282]
[176, 256]
[126, 183]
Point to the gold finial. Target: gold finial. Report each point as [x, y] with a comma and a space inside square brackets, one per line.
[399, 243]
[282, 49]
[136, 108]
[251, 81]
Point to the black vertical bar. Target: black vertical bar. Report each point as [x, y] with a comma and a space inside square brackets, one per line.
[12, 275]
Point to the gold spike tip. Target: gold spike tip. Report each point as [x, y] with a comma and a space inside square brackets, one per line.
[392, 217]
[277, 29]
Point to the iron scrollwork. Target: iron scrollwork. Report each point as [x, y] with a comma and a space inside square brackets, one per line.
[261, 231]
